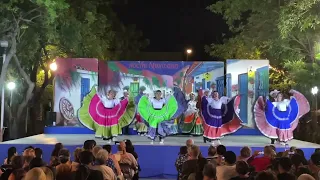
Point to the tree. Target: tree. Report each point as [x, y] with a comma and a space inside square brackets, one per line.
[38, 31]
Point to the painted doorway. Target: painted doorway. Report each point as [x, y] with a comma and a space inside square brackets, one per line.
[220, 85]
[262, 82]
[85, 88]
[243, 92]
[134, 89]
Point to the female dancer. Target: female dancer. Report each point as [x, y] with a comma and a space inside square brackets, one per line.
[192, 122]
[219, 116]
[140, 127]
[277, 120]
[106, 115]
[157, 113]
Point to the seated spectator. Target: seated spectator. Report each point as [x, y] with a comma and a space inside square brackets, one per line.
[301, 153]
[64, 159]
[189, 142]
[284, 168]
[228, 170]
[17, 162]
[182, 157]
[100, 160]
[209, 172]
[12, 151]
[243, 170]
[296, 160]
[38, 152]
[76, 161]
[111, 162]
[261, 163]
[63, 172]
[200, 166]
[35, 174]
[36, 162]
[29, 152]
[317, 150]
[27, 160]
[95, 150]
[18, 174]
[48, 172]
[88, 145]
[83, 172]
[314, 165]
[127, 162]
[306, 177]
[57, 148]
[212, 154]
[245, 154]
[190, 166]
[266, 175]
[221, 149]
[130, 149]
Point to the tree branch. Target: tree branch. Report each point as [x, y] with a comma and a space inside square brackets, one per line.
[31, 85]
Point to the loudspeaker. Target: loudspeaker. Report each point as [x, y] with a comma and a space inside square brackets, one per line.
[50, 118]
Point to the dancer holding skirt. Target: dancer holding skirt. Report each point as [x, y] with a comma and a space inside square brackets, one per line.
[106, 115]
[219, 117]
[140, 126]
[191, 121]
[157, 113]
[278, 119]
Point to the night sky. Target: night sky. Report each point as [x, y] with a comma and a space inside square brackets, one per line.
[174, 25]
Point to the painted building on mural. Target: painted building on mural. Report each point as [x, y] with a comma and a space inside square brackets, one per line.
[249, 79]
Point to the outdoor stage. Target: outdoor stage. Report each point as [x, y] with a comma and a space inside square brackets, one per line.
[155, 160]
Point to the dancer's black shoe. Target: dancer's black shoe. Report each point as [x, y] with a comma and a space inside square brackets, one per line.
[204, 139]
[272, 141]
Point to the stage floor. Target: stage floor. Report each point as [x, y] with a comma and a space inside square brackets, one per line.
[78, 139]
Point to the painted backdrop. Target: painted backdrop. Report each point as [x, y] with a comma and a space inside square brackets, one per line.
[249, 79]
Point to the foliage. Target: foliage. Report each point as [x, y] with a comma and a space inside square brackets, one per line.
[285, 32]
[155, 81]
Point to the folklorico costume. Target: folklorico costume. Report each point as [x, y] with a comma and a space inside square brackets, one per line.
[219, 117]
[191, 121]
[159, 114]
[278, 120]
[140, 126]
[105, 116]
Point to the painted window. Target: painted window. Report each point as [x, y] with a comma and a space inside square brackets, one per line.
[134, 89]
[229, 87]
[85, 87]
[220, 85]
[203, 84]
[208, 84]
[243, 92]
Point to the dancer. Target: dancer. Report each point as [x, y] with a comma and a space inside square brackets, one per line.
[219, 117]
[140, 126]
[157, 113]
[105, 114]
[278, 119]
[192, 122]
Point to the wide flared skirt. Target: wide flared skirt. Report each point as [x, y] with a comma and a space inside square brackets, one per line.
[219, 122]
[139, 126]
[105, 122]
[154, 117]
[280, 124]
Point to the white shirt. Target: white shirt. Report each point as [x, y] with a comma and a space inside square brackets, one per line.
[216, 104]
[282, 105]
[157, 104]
[108, 103]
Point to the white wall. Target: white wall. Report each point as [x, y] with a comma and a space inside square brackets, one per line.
[214, 74]
[74, 94]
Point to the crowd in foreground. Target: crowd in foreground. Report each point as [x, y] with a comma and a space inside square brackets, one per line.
[93, 162]
[221, 164]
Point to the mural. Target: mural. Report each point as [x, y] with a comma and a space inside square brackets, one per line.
[73, 81]
[249, 79]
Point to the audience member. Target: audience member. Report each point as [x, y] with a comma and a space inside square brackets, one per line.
[35, 174]
[12, 151]
[88, 145]
[212, 154]
[228, 170]
[36, 162]
[301, 153]
[182, 157]
[284, 167]
[314, 165]
[130, 149]
[221, 149]
[84, 172]
[76, 161]
[17, 162]
[57, 148]
[209, 172]
[261, 163]
[48, 172]
[189, 142]
[306, 177]
[29, 152]
[245, 154]
[266, 175]
[243, 170]
[190, 166]
[100, 160]
[112, 162]
[38, 152]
